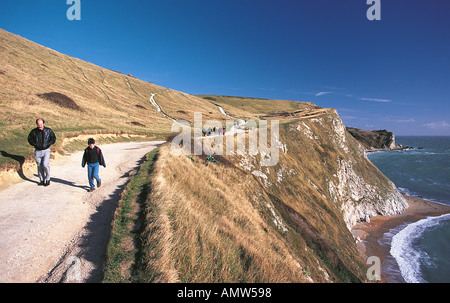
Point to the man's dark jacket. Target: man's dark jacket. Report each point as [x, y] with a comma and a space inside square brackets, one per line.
[41, 139]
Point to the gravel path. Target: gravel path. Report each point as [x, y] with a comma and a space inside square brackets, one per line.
[59, 233]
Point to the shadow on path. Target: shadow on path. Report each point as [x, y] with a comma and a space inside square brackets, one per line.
[21, 160]
[95, 241]
[68, 183]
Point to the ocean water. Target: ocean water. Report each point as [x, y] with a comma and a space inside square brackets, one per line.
[421, 249]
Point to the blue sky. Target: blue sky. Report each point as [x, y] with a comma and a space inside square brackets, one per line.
[389, 74]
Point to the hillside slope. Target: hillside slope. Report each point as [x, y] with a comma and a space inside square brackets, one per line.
[76, 97]
[236, 221]
[254, 108]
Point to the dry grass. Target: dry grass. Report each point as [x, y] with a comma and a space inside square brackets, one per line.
[204, 224]
[90, 99]
[254, 108]
[215, 222]
[97, 100]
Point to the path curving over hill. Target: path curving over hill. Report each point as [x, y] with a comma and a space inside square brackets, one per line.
[158, 108]
[60, 233]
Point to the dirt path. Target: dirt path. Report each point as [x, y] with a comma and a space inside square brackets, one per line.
[158, 108]
[59, 233]
[300, 114]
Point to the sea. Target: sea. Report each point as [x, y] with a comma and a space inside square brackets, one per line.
[421, 249]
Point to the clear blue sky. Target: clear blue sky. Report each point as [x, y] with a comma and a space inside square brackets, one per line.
[393, 73]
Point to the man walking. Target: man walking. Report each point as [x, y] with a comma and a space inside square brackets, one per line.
[41, 138]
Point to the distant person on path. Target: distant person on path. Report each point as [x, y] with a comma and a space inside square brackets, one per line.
[93, 156]
[41, 138]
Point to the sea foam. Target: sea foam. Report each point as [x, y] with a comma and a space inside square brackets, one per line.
[407, 254]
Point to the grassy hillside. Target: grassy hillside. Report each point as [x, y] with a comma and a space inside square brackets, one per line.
[253, 108]
[235, 221]
[76, 97]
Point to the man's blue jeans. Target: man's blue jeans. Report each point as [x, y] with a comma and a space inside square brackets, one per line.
[93, 169]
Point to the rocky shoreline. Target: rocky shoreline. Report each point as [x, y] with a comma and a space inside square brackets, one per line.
[397, 147]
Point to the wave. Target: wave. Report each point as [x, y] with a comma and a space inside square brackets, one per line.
[407, 254]
[408, 192]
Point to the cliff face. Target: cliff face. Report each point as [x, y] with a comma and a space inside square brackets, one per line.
[289, 222]
[331, 163]
[375, 139]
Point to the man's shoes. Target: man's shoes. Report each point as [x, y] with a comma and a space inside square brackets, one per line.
[44, 183]
[99, 183]
[91, 190]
